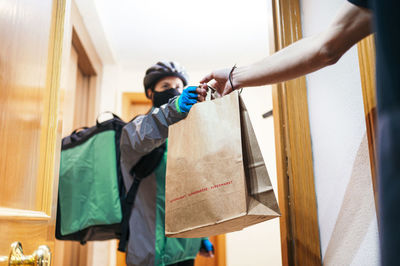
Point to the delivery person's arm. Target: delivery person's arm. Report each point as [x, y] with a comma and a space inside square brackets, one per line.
[149, 131]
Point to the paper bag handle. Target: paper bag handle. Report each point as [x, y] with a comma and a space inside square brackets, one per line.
[212, 93]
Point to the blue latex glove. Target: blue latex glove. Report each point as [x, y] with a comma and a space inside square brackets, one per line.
[207, 245]
[186, 100]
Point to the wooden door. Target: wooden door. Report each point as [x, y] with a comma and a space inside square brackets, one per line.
[30, 63]
[133, 104]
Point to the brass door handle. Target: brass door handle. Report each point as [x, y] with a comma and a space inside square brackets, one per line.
[41, 257]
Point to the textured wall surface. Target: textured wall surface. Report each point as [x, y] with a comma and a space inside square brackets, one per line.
[346, 210]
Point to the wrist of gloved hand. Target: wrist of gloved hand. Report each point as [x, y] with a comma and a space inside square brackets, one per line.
[186, 100]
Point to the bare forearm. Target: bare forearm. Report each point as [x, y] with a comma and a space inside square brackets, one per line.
[309, 54]
[295, 60]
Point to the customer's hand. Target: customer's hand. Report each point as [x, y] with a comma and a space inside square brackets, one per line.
[190, 96]
[219, 80]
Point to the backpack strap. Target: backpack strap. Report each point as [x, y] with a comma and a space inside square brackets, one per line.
[129, 200]
[146, 165]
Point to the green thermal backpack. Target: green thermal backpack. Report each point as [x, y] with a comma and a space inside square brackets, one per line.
[92, 201]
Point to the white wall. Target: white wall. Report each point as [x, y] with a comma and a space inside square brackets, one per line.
[109, 94]
[346, 211]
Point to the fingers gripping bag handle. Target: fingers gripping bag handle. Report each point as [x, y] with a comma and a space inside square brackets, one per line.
[212, 93]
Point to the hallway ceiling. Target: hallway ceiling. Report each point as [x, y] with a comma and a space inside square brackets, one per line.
[142, 31]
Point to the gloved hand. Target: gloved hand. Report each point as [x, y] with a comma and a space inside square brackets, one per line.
[207, 248]
[186, 100]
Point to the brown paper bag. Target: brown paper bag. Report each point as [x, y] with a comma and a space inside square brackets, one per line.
[216, 179]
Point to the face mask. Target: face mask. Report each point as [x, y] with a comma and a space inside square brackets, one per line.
[160, 98]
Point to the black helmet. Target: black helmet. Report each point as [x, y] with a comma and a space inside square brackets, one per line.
[162, 70]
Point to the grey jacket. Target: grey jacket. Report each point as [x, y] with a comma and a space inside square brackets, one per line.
[138, 138]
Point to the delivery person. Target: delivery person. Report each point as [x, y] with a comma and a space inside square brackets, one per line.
[143, 154]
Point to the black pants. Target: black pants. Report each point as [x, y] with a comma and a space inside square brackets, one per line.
[388, 96]
[389, 186]
[184, 263]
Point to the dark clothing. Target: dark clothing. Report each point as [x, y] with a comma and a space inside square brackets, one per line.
[389, 185]
[387, 39]
[388, 55]
[388, 96]
[362, 3]
[184, 263]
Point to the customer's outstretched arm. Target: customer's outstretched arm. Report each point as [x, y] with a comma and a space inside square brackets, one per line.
[302, 57]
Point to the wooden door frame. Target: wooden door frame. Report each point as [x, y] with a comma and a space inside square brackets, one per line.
[89, 62]
[300, 240]
[50, 138]
[367, 58]
[221, 250]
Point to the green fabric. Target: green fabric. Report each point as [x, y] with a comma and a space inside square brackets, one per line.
[88, 187]
[177, 104]
[170, 250]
